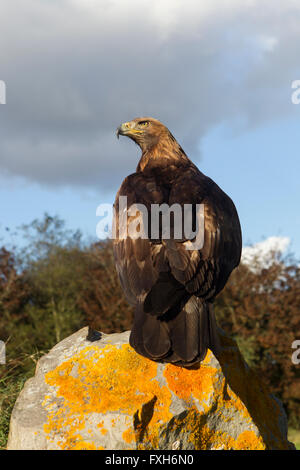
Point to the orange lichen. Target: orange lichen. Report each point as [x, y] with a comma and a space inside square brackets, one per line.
[197, 431]
[188, 383]
[128, 436]
[248, 440]
[217, 440]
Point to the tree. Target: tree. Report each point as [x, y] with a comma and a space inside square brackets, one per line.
[102, 300]
[14, 291]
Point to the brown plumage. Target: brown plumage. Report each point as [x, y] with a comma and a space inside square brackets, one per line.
[172, 288]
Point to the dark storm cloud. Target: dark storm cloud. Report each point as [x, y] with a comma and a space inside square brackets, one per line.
[76, 69]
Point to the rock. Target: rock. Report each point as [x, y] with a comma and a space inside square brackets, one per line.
[103, 395]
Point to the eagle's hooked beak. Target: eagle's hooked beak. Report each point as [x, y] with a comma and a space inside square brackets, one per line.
[129, 129]
[123, 129]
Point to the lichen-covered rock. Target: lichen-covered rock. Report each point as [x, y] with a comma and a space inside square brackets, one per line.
[103, 395]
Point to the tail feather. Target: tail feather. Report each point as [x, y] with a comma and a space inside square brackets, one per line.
[183, 331]
[149, 336]
[192, 332]
[182, 338]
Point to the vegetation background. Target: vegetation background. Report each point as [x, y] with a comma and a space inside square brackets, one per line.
[56, 284]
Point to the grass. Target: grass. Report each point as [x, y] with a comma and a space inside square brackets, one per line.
[12, 380]
[294, 436]
[9, 391]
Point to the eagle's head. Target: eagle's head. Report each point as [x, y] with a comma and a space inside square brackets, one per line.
[144, 131]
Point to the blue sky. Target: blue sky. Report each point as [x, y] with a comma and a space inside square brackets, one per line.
[260, 170]
[218, 74]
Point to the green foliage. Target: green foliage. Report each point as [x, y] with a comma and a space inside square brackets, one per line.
[248, 348]
[294, 436]
[45, 236]
[56, 285]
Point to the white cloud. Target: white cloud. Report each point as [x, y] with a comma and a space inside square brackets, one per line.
[75, 69]
[261, 254]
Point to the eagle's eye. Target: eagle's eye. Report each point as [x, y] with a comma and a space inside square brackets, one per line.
[143, 124]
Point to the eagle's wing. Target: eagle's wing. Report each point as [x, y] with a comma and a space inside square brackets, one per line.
[138, 261]
[204, 272]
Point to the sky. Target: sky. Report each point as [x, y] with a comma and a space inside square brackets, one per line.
[218, 74]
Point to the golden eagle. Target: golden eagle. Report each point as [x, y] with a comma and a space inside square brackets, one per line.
[171, 286]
